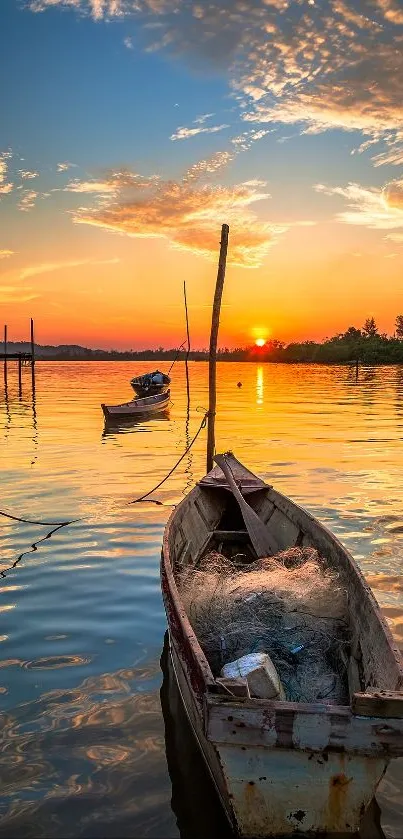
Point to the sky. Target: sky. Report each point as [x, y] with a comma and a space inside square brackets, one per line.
[131, 130]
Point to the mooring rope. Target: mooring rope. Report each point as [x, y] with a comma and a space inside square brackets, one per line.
[143, 497]
[176, 357]
[58, 525]
[44, 523]
[33, 548]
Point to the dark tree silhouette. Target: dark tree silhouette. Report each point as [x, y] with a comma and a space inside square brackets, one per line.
[370, 328]
[399, 326]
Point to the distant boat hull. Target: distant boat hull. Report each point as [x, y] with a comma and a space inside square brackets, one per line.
[284, 768]
[148, 405]
[141, 385]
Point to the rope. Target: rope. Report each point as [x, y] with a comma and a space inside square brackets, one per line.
[143, 497]
[44, 523]
[176, 357]
[57, 525]
[34, 548]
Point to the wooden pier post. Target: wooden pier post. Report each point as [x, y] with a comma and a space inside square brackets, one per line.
[5, 354]
[19, 375]
[215, 322]
[32, 356]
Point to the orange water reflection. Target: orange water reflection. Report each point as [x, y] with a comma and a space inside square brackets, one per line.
[82, 616]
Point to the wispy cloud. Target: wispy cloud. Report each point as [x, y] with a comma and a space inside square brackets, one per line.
[380, 209]
[4, 254]
[16, 294]
[183, 133]
[210, 166]
[395, 237]
[64, 167]
[51, 267]
[128, 42]
[188, 213]
[26, 175]
[245, 140]
[88, 187]
[29, 198]
[5, 186]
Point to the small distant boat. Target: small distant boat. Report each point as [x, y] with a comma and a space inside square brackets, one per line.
[150, 383]
[137, 407]
[283, 768]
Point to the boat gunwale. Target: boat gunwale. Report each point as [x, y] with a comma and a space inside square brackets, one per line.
[143, 404]
[210, 684]
[185, 625]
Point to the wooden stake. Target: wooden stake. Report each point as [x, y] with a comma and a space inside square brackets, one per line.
[32, 356]
[19, 375]
[32, 342]
[215, 322]
[188, 342]
[5, 355]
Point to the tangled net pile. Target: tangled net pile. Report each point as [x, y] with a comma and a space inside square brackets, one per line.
[290, 606]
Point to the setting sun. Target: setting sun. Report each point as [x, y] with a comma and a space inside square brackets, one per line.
[260, 342]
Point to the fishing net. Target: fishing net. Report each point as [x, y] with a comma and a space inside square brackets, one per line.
[291, 606]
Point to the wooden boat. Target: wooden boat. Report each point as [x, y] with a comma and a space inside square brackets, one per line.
[145, 386]
[283, 768]
[137, 407]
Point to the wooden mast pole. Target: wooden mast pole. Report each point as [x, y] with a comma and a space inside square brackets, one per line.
[215, 322]
[188, 347]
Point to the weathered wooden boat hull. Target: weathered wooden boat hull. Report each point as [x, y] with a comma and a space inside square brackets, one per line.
[272, 792]
[283, 768]
[137, 407]
[139, 385]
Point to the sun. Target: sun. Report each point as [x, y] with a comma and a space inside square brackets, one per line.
[260, 342]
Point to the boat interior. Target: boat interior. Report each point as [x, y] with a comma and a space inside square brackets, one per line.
[209, 519]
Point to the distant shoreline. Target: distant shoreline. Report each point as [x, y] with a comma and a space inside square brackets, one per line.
[364, 346]
[317, 363]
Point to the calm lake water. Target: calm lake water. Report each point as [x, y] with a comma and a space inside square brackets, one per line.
[82, 624]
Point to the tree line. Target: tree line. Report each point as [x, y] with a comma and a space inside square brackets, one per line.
[366, 345]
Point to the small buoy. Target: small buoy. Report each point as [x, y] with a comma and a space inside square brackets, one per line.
[239, 384]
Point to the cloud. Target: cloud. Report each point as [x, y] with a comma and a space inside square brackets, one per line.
[183, 133]
[393, 194]
[128, 42]
[97, 8]
[395, 237]
[4, 254]
[211, 166]
[380, 209]
[322, 65]
[63, 167]
[5, 187]
[26, 175]
[28, 200]
[188, 213]
[244, 141]
[90, 186]
[50, 267]
[14, 294]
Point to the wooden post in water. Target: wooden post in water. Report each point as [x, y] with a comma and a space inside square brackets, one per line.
[32, 356]
[215, 322]
[5, 354]
[188, 347]
[19, 375]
